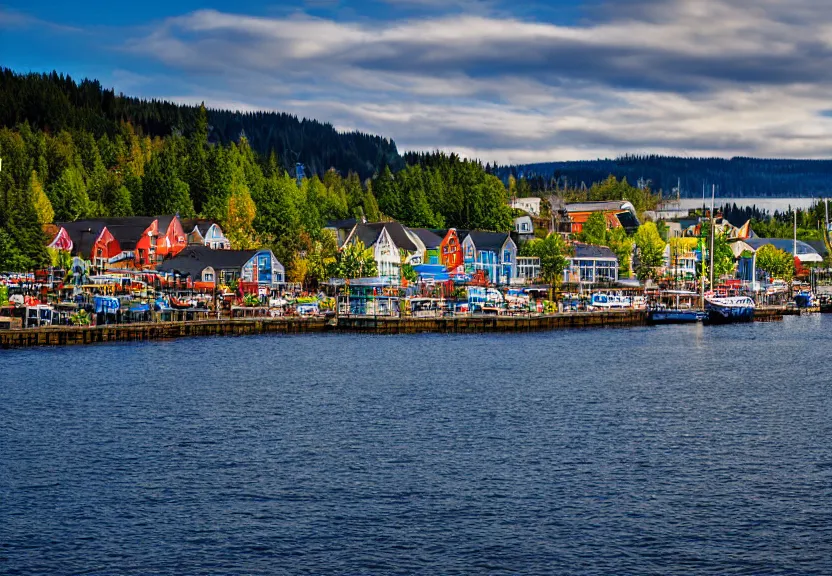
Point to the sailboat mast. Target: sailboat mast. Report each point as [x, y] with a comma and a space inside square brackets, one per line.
[713, 222]
[794, 245]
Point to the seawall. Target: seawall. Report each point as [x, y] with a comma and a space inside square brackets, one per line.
[74, 335]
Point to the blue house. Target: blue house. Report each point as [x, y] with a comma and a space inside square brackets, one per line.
[494, 253]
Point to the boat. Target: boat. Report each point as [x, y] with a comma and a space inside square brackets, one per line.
[609, 301]
[730, 309]
[178, 304]
[675, 316]
[804, 299]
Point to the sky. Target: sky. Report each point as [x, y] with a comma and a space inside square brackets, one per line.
[499, 80]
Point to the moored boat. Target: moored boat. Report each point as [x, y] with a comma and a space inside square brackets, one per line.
[671, 316]
[804, 299]
[730, 309]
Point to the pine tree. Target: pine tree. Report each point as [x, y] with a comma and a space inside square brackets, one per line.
[163, 191]
[41, 203]
[70, 197]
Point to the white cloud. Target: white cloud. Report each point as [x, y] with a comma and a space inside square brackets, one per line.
[700, 77]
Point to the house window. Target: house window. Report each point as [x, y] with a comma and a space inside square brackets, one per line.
[507, 256]
[208, 277]
[587, 270]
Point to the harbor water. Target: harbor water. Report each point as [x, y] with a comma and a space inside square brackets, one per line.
[667, 450]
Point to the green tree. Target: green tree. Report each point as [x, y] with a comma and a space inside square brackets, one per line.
[40, 201]
[70, 194]
[553, 253]
[622, 245]
[197, 175]
[724, 261]
[241, 212]
[163, 191]
[650, 248]
[322, 259]
[11, 257]
[778, 263]
[594, 230]
[356, 261]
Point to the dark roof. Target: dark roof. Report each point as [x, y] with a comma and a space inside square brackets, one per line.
[201, 224]
[127, 235]
[145, 221]
[431, 240]
[491, 241]
[347, 224]
[460, 234]
[194, 259]
[83, 234]
[369, 233]
[628, 221]
[589, 251]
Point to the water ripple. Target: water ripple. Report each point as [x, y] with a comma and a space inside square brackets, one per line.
[643, 451]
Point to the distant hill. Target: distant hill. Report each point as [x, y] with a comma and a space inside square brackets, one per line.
[55, 102]
[737, 177]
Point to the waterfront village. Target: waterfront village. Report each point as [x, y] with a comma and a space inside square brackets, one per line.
[165, 268]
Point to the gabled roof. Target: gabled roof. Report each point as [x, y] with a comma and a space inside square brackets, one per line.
[369, 233]
[590, 251]
[347, 224]
[460, 234]
[489, 241]
[194, 259]
[202, 225]
[164, 222]
[430, 239]
[83, 234]
[127, 235]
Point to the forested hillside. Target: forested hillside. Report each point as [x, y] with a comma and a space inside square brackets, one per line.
[66, 159]
[735, 178]
[54, 102]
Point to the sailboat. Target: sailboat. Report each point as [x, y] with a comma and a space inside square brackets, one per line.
[726, 309]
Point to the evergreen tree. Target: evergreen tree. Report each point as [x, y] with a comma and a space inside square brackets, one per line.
[70, 199]
[163, 191]
[196, 173]
[43, 207]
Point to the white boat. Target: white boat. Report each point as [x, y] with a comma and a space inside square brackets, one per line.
[730, 309]
[610, 301]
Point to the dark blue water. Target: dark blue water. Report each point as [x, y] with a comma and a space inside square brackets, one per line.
[675, 450]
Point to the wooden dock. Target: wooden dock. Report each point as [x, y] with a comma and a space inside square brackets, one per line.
[74, 335]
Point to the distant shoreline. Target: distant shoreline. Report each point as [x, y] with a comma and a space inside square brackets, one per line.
[769, 204]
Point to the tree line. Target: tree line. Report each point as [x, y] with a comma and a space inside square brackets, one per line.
[736, 177]
[56, 102]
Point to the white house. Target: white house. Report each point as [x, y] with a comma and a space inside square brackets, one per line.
[591, 265]
[391, 244]
[530, 205]
[524, 226]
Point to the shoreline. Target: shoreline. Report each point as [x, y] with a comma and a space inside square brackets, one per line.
[141, 332]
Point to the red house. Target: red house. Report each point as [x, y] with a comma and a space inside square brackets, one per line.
[450, 250]
[140, 242]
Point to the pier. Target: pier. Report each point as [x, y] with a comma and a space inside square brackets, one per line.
[139, 332]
